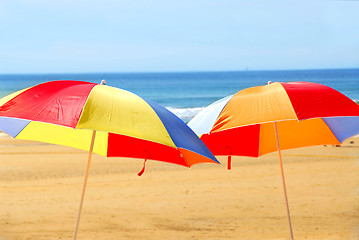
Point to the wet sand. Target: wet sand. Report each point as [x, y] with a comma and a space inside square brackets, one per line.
[40, 187]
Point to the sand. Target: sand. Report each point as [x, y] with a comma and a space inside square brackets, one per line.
[40, 187]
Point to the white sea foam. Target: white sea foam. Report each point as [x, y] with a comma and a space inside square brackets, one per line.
[185, 114]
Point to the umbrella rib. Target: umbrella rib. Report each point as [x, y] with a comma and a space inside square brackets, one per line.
[185, 160]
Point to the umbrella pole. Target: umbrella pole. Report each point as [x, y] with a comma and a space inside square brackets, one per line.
[85, 183]
[283, 181]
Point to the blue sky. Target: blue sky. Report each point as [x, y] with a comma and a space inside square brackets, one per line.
[41, 36]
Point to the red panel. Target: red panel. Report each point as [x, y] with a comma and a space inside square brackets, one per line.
[242, 141]
[57, 102]
[124, 146]
[312, 100]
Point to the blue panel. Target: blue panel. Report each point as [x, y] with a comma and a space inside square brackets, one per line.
[181, 134]
[343, 127]
[12, 126]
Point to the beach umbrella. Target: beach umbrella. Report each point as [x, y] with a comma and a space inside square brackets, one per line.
[105, 120]
[274, 117]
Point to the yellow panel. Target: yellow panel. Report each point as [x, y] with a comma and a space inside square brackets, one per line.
[256, 105]
[295, 134]
[119, 111]
[55, 134]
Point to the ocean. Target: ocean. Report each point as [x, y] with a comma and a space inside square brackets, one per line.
[186, 93]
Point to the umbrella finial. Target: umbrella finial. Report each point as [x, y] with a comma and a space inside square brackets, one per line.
[269, 82]
[103, 82]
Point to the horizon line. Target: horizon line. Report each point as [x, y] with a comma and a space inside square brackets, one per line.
[180, 71]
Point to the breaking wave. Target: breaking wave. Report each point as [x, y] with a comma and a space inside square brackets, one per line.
[185, 114]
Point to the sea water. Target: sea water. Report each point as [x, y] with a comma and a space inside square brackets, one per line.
[186, 93]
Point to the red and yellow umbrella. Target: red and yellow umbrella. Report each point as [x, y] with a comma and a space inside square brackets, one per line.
[67, 112]
[105, 120]
[278, 116]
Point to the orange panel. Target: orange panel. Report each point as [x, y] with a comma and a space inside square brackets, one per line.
[256, 105]
[267, 140]
[295, 134]
[193, 158]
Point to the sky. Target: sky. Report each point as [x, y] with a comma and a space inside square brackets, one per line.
[78, 36]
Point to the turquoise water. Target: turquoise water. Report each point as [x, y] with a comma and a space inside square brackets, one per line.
[186, 93]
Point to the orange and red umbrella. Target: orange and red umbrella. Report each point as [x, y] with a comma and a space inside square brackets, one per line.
[306, 114]
[278, 116]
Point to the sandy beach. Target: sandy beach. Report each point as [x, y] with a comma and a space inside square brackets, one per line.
[40, 187]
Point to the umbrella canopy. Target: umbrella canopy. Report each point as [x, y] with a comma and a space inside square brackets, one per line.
[278, 116]
[306, 114]
[66, 112]
[109, 121]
